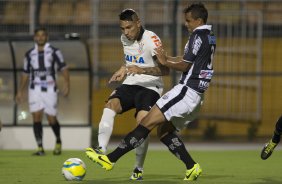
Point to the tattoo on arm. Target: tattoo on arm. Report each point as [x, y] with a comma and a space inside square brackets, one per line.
[152, 71]
[159, 70]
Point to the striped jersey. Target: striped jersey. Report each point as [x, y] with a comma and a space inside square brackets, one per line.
[42, 66]
[199, 51]
[140, 52]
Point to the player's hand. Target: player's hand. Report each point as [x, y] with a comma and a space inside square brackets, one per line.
[160, 53]
[119, 75]
[66, 89]
[133, 69]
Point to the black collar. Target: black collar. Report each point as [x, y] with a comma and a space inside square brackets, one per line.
[142, 30]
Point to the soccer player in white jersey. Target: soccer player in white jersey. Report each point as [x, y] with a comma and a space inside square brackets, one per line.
[180, 105]
[41, 64]
[142, 83]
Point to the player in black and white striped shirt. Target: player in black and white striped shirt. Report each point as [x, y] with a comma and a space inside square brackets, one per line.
[180, 105]
[41, 64]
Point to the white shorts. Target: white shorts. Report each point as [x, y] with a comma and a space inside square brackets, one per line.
[39, 100]
[180, 105]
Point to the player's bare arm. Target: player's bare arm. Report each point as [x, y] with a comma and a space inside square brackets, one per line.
[118, 75]
[66, 87]
[23, 83]
[176, 63]
[174, 59]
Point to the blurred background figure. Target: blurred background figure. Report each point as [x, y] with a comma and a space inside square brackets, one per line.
[41, 64]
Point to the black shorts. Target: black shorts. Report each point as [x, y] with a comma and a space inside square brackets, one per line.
[134, 96]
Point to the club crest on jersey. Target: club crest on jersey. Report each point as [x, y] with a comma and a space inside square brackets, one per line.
[134, 59]
[140, 49]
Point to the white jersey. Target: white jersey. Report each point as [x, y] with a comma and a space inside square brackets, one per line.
[140, 52]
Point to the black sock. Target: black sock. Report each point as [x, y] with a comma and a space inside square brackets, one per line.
[56, 129]
[38, 133]
[131, 141]
[277, 131]
[177, 147]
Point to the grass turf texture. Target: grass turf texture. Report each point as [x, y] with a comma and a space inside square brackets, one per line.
[226, 167]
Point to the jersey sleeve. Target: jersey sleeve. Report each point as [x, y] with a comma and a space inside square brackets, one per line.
[154, 41]
[59, 59]
[192, 48]
[26, 65]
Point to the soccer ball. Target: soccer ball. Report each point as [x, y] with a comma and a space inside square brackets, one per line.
[74, 169]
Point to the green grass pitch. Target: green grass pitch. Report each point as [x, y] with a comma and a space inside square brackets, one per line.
[219, 167]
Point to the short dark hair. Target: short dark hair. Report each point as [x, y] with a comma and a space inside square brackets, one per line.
[198, 10]
[128, 14]
[41, 29]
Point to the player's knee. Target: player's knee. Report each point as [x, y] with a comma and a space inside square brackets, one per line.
[147, 123]
[52, 119]
[114, 104]
[37, 116]
[140, 115]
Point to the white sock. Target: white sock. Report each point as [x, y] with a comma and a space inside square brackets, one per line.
[141, 153]
[106, 128]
